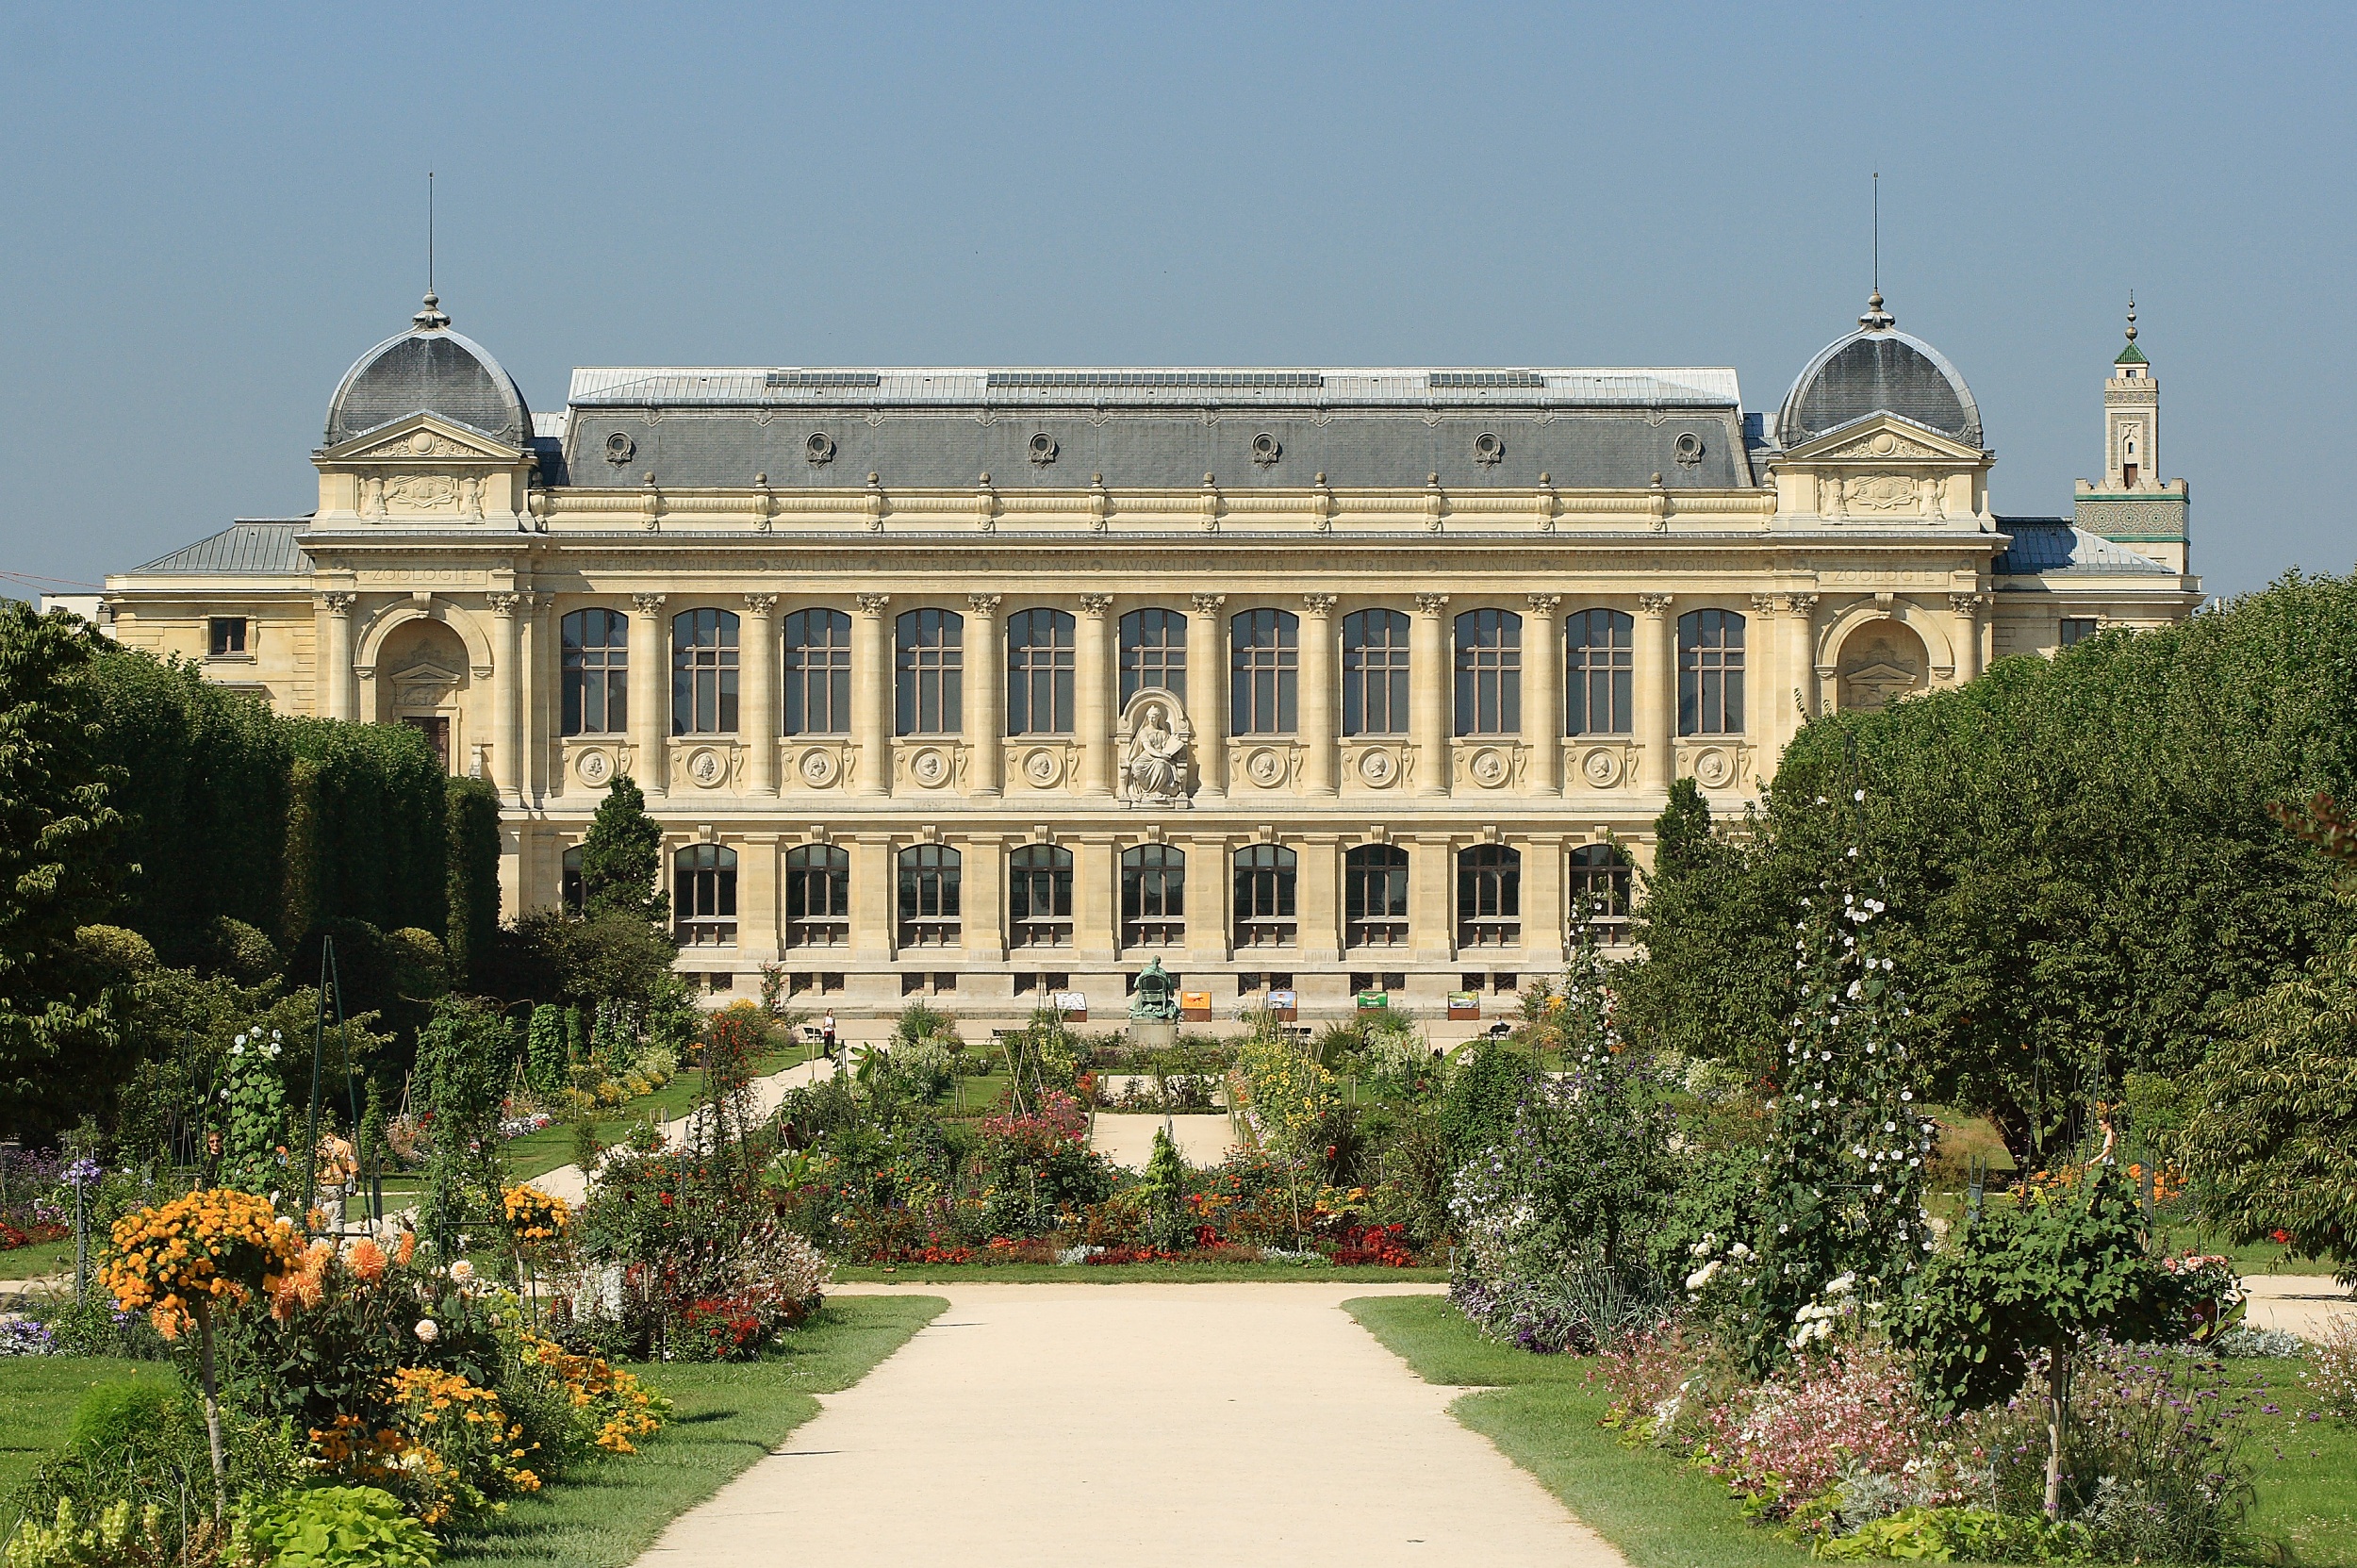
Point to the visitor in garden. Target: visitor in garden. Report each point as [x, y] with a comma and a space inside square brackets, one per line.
[826, 1035]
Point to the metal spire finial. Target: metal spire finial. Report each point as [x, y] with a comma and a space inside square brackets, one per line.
[431, 319]
[1876, 319]
[2132, 315]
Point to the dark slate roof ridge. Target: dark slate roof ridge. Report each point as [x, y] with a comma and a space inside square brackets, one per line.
[248, 548]
[2052, 546]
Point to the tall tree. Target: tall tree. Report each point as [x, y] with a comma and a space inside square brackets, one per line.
[623, 855]
[474, 877]
[56, 871]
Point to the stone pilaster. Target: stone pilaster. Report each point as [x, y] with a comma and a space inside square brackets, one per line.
[1429, 681]
[757, 715]
[1656, 685]
[1543, 692]
[871, 691]
[985, 695]
[1318, 693]
[1207, 704]
[335, 694]
[1092, 673]
[649, 694]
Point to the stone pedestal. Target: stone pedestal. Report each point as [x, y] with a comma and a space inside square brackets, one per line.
[1152, 1036]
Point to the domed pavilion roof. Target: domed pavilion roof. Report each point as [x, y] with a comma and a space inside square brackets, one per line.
[1878, 370]
[430, 370]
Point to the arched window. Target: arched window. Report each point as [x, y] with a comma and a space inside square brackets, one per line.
[704, 897]
[1599, 673]
[571, 889]
[1375, 673]
[929, 875]
[818, 673]
[1375, 895]
[1489, 673]
[596, 646]
[1265, 874]
[1039, 674]
[817, 896]
[1153, 653]
[1599, 887]
[703, 672]
[1039, 896]
[929, 685]
[1489, 896]
[1153, 896]
[1711, 673]
[1264, 659]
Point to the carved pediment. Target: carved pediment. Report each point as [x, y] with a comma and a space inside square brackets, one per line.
[1884, 439]
[422, 438]
[423, 684]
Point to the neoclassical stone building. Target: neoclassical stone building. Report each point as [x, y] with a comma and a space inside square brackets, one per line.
[998, 682]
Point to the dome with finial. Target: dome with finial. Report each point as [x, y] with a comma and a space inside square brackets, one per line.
[2132, 354]
[1878, 370]
[429, 369]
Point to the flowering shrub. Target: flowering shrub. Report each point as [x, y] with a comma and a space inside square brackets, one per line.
[1282, 1089]
[24, 1337]
[614, 1409]
[254, 1155]
[448, 1447]
[1817, 1420]
[216, 1247]
[2331, 1373]
[1037, 1170]
[533, 1218]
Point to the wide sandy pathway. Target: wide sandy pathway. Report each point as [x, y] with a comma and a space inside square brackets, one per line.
[1114, 1425]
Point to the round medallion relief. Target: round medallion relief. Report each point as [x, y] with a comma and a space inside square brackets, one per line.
[818, 768]
[707, 767]
[1601, 766]
[1714, 768]
[1377, 768]
[595, 767]
[1041, 767]
[1487, 767]
[422, 442]
[1265, 767]
[929, 768]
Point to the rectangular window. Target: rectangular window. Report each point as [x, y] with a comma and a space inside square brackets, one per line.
[595, 655]
[818, 673]
[928, 896]
[1264, 883]
[1711, 673]
[1489, 673]
[2077, 629]
[1040, 673]
[929, 685]
[1153, 653]
[224, 637]
[1599, 673]
[1153, 896]
[1265, 656]
[703, 672]
[1375, 673]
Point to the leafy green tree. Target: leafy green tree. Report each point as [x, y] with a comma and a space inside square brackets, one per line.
[473, 810]
[1164, 1189]
[622, 856]
[546, 1060]
[463, 1056]
[1484, 1094]
[2032, 1284]
[58, 832]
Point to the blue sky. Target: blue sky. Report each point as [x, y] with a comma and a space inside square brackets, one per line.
[207, 213]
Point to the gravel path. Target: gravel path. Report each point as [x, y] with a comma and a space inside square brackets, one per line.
[1127, 1426]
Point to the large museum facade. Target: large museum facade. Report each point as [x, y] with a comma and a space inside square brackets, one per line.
[992, 683]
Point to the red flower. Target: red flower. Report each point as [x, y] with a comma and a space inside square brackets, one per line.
[666, 1200]
[2280, 1238]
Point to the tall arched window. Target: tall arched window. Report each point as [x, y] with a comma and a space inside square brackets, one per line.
[929, 685]
[1265, 874]
[1265, 665]
[818, 673]
[1599, 885]
[1153, 653]
[930, 877]
[703, 672]
[572, 889]
[1375, 895]
[1489, 896]
[1489, 673]
[1039, 674]
[817, 896]
[596, 646]
[1599, 673]
[1375, 673]
[703, 896]
[1153, 896]
[1711, 673]
[1039, 896]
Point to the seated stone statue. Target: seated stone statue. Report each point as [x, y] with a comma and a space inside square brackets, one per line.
[1156, 1000]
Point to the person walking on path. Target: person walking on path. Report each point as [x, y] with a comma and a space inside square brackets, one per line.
[826, 1035]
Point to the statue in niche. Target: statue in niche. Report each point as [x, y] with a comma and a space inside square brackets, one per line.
[1154, 768]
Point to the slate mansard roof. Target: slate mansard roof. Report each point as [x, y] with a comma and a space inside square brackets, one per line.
[1877, 370]
[240, 549]
[429, 368]
[1156, 427]
[2047, 547]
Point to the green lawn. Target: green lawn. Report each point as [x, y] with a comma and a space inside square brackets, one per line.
[725, 1418]
[1131, 1274]
[1542, 1414]
[37, 1397]
[31, 1262]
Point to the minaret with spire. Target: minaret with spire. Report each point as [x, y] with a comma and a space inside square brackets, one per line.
[2131, 505]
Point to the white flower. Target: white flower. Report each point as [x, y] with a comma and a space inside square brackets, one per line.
[427, 1331]
[1860, 795]
[1842, 1286]
[462, 1272]
[1703, 1276]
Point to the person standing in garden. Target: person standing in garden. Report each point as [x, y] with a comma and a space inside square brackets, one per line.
[826, 1033]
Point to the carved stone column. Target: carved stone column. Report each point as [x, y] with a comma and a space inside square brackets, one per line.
[1319, 888]
[1801, 648]
[1542, 693]
[1429, 685]
[1093, 673]
[1657, 688]
[336, 697]
[1207, 706]
[507, 721]
[1767, 716]
[650, 693]
[872, 693]
[1318, 693]
[757, 715]
[985, 695]
[1965, 608]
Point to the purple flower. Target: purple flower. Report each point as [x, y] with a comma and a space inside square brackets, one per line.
[84, 1172]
